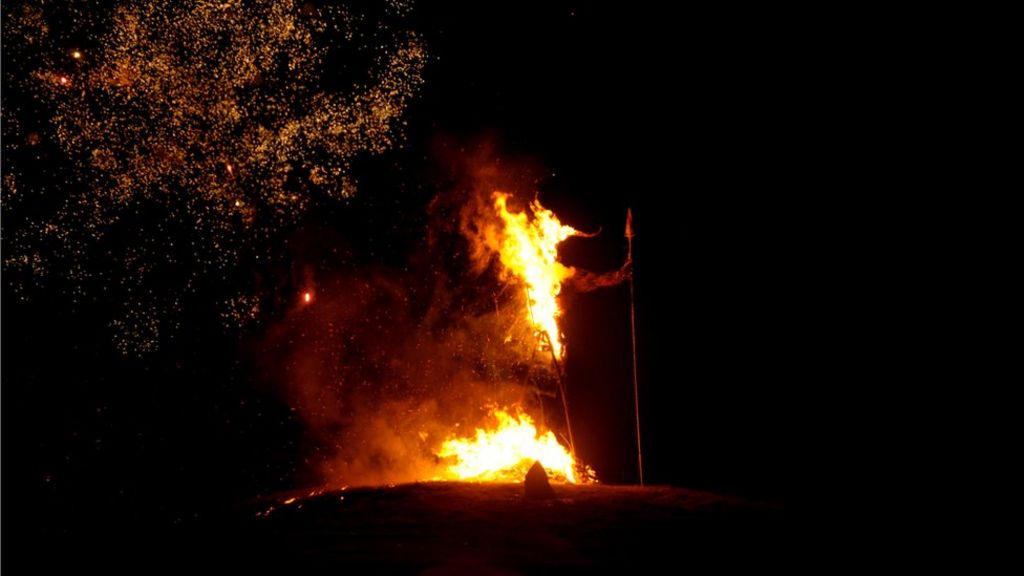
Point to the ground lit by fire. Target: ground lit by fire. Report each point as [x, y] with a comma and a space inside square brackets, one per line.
[494, 528]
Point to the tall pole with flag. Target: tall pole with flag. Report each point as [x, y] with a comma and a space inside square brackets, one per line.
[632, 324]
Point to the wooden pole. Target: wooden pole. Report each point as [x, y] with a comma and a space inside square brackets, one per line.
[561, 378]
[632, 325]
[562, 390]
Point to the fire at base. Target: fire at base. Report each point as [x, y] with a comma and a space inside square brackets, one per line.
[505, 451]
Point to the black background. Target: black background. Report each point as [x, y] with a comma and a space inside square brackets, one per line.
[685, 116]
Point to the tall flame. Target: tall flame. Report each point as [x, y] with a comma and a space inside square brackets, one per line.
[506, 451]
[529, 250]
[526, 243]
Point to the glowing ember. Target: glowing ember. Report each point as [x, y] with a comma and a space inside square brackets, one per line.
[307, 297]
[529, 250]
[147, 100]
[506, 452]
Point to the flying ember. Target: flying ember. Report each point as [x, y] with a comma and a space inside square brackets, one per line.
[226, 122]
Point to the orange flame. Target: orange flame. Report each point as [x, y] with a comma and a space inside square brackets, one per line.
[505, 452]
[529, 250]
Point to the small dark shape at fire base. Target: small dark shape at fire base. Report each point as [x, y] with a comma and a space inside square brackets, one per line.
[537, 485]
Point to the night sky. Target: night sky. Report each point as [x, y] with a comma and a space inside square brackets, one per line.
[684, 118]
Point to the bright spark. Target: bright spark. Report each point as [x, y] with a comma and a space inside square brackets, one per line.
[172, 90]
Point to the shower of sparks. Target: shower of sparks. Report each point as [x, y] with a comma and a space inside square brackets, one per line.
[216, 123]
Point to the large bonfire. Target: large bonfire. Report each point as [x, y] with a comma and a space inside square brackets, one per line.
[509, 442]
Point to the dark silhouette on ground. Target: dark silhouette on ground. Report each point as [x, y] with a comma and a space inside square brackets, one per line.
[536, 483]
